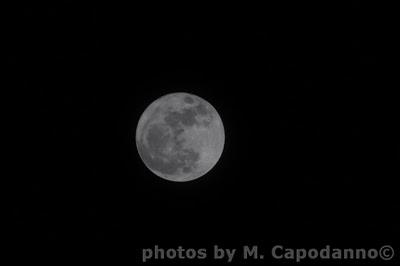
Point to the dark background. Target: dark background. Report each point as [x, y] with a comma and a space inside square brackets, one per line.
[311, 152]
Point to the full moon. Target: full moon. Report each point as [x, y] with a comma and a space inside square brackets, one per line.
[180, 137]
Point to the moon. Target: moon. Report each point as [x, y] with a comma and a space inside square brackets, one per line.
[180, 137]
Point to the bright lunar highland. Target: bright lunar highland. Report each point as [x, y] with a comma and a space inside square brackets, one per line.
[180, 137]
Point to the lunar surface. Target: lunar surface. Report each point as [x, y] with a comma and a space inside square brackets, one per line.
[180, 137]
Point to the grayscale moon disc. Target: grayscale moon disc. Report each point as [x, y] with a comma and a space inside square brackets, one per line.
[180, 137]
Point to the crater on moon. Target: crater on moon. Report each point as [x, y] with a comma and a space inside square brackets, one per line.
[180, 137]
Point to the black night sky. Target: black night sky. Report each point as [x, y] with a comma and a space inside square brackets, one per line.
[311, 153]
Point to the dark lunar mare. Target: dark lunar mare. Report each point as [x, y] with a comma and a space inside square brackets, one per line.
[201, 109]
[187, 117]
[157, 138]
[188, 99]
